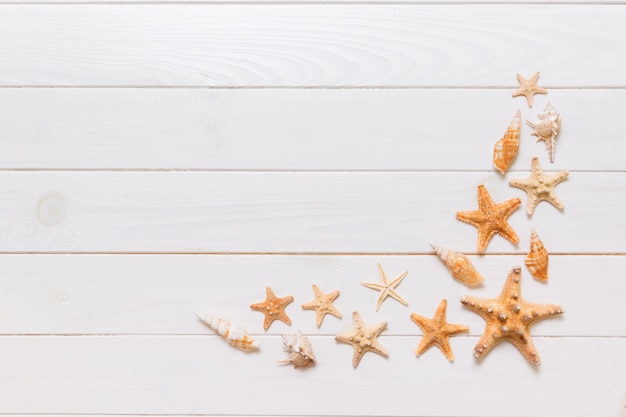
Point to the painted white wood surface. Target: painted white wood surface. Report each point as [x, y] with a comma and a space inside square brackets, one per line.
[312, 45]
[299, 129]
[291, 212]
[132, 189]
[195, 374]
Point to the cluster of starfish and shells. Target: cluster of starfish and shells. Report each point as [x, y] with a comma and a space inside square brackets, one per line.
[508, 317]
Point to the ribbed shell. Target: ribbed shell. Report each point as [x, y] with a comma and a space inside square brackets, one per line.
[459, 265]
[299, 348]
[537, 258]
[505, 150]
[547, 128]
[233, 333]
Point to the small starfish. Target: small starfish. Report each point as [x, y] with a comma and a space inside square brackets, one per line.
[386, 288]
[529, 88]
[540, 186]
[273, 308]
[322, 304]
[437, 331]
[509, 317]
[363, 338]
[490, 218]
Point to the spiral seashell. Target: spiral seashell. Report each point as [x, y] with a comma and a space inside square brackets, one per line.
[459, 265]
[233, 333]
[547, 128]
[505, 150]
[537, 258]
[299, 347]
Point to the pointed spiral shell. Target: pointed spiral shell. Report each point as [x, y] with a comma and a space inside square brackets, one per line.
[459, 265]
[505, 150]
[537, 258]
[299, 348]
[547, 128]
[233, 333]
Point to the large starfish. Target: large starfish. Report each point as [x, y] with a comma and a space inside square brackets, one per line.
[490, 218]
[437, 331]
[386, 288]
[509, 317]
[540, 186]
[528, 88]
[322, 304]
[273, 308]
[363, 338]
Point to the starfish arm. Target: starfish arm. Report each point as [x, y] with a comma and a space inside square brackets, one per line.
[482, 307]
[471, 217]
[557, 178]
[527, 348]
[540, 311]
[486, 342]
[311, 305]
[444, 345]
[373, 285]
[383, 277]
[378, 348]
[383, 295]
[555, 200]
[485, 233]
[317, 292]
[396, 296]
[507, 207]
[424, 344]
[398, 280]
[258, 306]
[345, 337]
[454, 329]
[531, 204]
[508, 233]
[334, 311]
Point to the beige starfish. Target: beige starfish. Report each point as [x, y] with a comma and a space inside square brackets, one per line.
[539, 186]
[437, 331]
[386, 288]
[491, 218]
[363, 338]
[273, 308]
[322, 304]
[529, 88]
[509, 317]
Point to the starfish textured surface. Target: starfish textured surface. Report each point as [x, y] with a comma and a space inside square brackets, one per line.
[509, 317]
[386, 288]
[491, 218]
[437, 331]
[322, 304]
[540, 186]
[273, 308]
[529, 87]
[363, 338]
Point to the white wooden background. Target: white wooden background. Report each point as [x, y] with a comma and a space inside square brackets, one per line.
[161, 158]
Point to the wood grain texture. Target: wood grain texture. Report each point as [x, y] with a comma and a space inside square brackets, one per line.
[194, 374]
[311, 45]
[289, 212]
[299, 129]
[158, 294]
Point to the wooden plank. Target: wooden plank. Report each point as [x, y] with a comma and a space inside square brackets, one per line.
[312, 45]
[188, 374]
[291, 212]
[301, 129]
[156, 294]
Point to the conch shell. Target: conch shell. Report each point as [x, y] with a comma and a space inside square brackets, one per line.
[299, 348]
[547, 128]
[537, 258]
[233, 333]
[505, 150]
[459, 265]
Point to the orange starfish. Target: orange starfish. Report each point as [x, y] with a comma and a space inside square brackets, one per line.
[490, 218]
[363, 338]
[539, 186]
[529, 88]
[386, 288]
[273, 308]
[437, 331]
[509, 317]
[322, 304]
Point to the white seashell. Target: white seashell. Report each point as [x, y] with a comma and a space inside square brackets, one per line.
[233, 333]
[459, 265]
[547, 128]
[299, 347]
